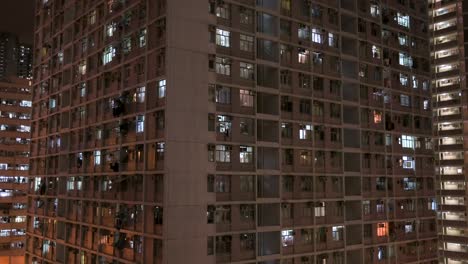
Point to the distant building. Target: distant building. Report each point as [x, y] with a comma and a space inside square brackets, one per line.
[15, 115]
[24, 61]
[8, 51]
[15, 57]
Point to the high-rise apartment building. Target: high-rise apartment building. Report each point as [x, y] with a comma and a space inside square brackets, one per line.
[24, 61]
[267, 131]
[8, 54]
[450, 114]
[15, 57]
[15, 113]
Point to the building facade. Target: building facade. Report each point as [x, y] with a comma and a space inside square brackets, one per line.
[8, 54]
[268, 131]
[449, 96]
[15, 113]
[24, 61]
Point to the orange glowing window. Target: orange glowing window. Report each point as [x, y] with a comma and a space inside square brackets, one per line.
[382, 229]
[377, 117]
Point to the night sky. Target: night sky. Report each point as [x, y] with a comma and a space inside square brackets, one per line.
[17, 16]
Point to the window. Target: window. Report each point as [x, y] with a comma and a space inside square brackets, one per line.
[246, 43]
[286, 130]
[82, 67]
[304, 106]
[409, 184]
[223, 38]
[303, 56]
[140, 123]
[382, 229]
[246, 70]
[82, 89]
[407, 141]
[426, 104]
[223, 66]
[246, 16]
[288, 183]
[333, 40]
[403, 79]
[142, 38]
[317, 36]
[246, 183]
[405, 59]
[92, 17]
[110, 29]
[246, 98]
[223, 124]
[305, 158]
[366, 207]
[161, 89]
[335, 134]
[140, 94]
[247, 212]
[319, 209]
[108, 54]
[97, 157]
[305, 132]
[303, 32]
[223, 94]
[246, 154]
[375, 52]
[223, 11]
[127, 45]
[405, 100]
[287, 238]
[377, 117]
[403, 20]
[407, 162]
[409, 227]
[403, 39]
[223, 153]
[374, 10]
[380, 207]
[337, 233]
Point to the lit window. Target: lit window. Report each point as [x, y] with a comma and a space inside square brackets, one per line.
[110, 29]
[374, 10]
[305, 132]
[426, 104]
[407, 162]
[375, 52]
[403, 79]
[108, 54]
[25, 103]
[317, 36]
[319, 209]
[287, 238]
[403, 39]
[82, 88]
[303, 32]
[223, 153]
[142, 38]
[246, 70]
[140, 94]
[223, 38]
[409, 184]
[403, 20]
[332, 40]
[223, 66]
[223, 11]
[162, 89]
[405, 59]
[246, 43]
[82, 67]
[407, 141]
[382, 229]
[140, 124]
[246, 98]
[223, 124]
[92, 17]
[414, 81]
[246, 154]
[377, 117]
[97, 157]
[409, 227]
[337, 233]
[303, 56]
